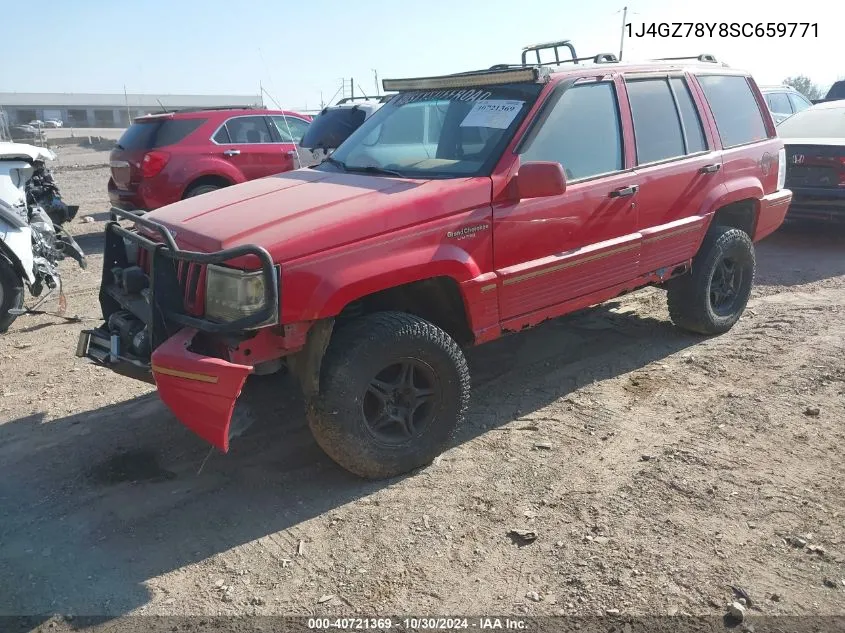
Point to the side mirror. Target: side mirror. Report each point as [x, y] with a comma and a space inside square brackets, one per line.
[538, 179]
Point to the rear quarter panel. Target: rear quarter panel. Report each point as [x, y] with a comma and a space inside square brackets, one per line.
[750, 170]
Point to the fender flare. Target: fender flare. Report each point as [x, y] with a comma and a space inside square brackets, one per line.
[349, 284]
[216, 168]
[745, 188]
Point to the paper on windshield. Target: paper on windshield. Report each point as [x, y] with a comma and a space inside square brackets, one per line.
[494, 113]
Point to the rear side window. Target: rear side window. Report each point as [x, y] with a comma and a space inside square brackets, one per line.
[581, 132]
[693, 131]
[148, 135]
[247, 130]
[657, 125]
[799, 103]
[778, 103]
[735, 109]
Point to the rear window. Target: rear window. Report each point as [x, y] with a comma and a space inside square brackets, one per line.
[814, 123]
[735, 109]
[332, 127]
[837, 91]
[157, 133]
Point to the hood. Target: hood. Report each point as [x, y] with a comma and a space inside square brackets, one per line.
[23, 151]
[305, 211]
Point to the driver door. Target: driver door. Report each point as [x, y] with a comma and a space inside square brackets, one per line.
[549, 251]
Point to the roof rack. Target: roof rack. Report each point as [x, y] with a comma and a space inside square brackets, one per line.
[704, 57]
[206, 109]
[601, 58]
[554, 46]
[379, 98]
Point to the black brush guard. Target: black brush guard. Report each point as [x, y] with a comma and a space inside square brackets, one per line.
[163, 311]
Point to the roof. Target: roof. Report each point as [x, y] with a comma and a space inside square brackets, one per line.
[119, 100]
[204, 112]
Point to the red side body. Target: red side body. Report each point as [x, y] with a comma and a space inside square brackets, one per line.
[340, 237]
[197, 159]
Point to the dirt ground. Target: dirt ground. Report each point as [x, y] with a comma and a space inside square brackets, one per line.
[658, 469]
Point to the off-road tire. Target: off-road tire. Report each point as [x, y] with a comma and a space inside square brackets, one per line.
[201, 189]
[689, 296]
[357, 353]
[11, 294]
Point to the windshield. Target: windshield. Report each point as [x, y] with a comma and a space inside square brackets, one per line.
[437, 133]
[815, 123]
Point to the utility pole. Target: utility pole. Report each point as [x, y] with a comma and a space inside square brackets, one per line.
[352, 87]
[622, 38]
[375, 74]
[126, 101]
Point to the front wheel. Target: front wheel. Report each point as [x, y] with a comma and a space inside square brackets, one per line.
[11, 294]
[393, 389]
[712, 297]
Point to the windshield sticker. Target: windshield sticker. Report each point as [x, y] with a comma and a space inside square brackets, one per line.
[495, 113]
[442, 95]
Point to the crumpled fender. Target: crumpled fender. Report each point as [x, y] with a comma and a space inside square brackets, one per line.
[200, 390]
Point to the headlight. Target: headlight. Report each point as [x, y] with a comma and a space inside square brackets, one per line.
[232, 294]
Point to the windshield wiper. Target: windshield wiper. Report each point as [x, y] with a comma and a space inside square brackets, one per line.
[373, 169]
[334, 161]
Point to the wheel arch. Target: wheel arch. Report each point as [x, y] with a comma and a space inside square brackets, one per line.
[207, 179]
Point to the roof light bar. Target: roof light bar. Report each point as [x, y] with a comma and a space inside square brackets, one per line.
[466, 80]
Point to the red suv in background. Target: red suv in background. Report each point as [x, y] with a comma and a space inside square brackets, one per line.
[162, 158]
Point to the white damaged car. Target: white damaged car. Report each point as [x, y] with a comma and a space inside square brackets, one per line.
[32, 239]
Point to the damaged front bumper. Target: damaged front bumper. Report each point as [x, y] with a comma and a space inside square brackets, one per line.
[163, 312]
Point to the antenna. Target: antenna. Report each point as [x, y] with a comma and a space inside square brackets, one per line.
[622, 38]
[163, 109]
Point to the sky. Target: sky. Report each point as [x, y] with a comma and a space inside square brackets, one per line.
[300, 50]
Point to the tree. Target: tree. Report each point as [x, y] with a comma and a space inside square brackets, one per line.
[805, 86]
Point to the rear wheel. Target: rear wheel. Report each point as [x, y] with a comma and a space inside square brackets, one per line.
[393, 389]
[198, 190]
[11, 294]
[712, 297]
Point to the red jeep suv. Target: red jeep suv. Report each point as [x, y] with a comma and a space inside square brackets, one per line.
[469, 206]
[162, 158]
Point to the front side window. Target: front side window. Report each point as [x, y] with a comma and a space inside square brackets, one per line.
[582, 132]
[438, 133]
[778, 103]
[290, 128]
[738, 116]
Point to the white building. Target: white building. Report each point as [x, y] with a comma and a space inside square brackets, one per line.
[106, 110]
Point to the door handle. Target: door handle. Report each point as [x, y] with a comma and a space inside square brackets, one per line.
[630, 190]
[232, 152]
[711, 169]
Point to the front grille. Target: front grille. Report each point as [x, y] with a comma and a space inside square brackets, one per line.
[176, 294]
[191, 278]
